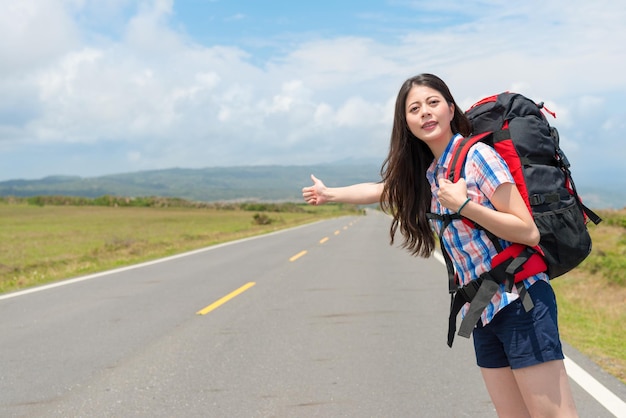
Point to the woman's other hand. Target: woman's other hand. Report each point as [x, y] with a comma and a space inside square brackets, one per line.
[452, 195]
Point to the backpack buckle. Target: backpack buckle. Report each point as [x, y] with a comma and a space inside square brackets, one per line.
[469, 290]
[562, 158]
[539, 199]
[536, 199]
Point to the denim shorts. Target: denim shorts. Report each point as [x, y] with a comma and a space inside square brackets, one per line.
[516, 338]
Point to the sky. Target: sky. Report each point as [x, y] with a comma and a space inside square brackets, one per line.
[96, 87]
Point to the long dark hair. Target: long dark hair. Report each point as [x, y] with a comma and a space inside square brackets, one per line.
[406, 194]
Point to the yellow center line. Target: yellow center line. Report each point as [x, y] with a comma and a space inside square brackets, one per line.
[337, 232]
[323, 240]
[225, 299]
[300, 254]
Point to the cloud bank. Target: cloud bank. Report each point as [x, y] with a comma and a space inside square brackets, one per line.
[91, 89]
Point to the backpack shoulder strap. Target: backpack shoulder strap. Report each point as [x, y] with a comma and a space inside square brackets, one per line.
[446, 219]
[459, 155]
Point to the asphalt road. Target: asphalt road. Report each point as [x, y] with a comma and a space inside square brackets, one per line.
[326, 320]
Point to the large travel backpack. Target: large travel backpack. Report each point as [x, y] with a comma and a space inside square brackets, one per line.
[517, 129]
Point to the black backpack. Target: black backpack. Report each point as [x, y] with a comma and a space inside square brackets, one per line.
[522, 135]
[517, 129]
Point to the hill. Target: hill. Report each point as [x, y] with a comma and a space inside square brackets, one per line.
[266, 183]
[258, 183]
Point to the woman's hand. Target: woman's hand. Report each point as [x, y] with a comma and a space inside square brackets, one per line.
[452, 195]
[315, 194]
[356, 194]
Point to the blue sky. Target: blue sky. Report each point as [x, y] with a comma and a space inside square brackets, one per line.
[94, 87]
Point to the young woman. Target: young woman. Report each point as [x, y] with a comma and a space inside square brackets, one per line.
[519, 352]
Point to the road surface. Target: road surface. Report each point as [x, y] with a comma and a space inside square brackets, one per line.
[325, 320]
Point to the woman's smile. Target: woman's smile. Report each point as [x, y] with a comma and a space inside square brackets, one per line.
[429, 125]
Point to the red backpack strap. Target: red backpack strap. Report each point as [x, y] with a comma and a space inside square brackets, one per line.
[456, 168]
[534, 264]
[459, 155]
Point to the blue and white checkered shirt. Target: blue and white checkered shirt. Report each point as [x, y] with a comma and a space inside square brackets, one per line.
[470, 249]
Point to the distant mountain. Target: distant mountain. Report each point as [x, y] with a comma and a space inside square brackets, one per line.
[264, 183]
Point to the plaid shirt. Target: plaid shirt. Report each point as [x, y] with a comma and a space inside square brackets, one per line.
[471, 249]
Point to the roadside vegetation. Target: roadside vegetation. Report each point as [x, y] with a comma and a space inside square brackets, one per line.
[592, 298]
[49, 238]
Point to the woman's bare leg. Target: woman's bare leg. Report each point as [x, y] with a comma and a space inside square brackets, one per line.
[546, 390]
[504, 392]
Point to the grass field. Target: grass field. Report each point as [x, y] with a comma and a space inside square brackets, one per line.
[592, 298]
[43, 244]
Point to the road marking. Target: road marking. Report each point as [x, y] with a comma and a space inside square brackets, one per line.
[337, 232]
[323, 240]
[599, 392]
[300, 254]
[146, 263]
[225, 299]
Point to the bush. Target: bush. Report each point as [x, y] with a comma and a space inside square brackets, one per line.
[261, 219]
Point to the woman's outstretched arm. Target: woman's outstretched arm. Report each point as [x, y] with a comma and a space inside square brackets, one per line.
[358, 194]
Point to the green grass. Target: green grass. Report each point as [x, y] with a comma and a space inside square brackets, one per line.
[592, 317]
[592, 298]
[42, 244]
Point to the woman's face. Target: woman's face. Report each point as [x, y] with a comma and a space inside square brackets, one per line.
[428, 116]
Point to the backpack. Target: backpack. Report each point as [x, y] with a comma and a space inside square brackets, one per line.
[517, 129]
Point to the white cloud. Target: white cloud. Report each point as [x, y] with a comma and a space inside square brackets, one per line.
[323, 114]
[32, 33]
[292, 92]
[358, 112]
[142, 84]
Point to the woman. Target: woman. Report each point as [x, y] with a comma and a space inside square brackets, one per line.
[519, 352]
